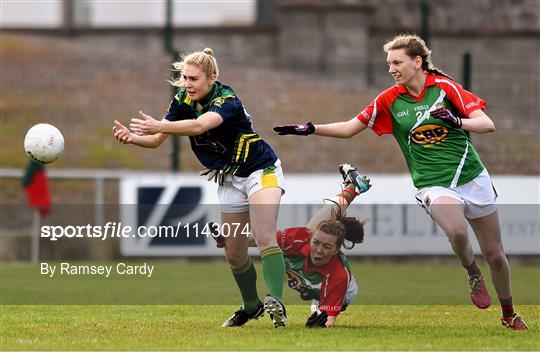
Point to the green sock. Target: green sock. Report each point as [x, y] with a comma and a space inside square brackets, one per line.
[273, 266]
[246, 279]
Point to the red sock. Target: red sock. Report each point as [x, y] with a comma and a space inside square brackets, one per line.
[348, 193]
[472, 269]
[507, 307]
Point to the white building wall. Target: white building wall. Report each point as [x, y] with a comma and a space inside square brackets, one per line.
[127, 13]
[30, 13]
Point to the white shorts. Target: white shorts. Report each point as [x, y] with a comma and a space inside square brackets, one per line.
[478, 196]
[234, 194]
[352, 293]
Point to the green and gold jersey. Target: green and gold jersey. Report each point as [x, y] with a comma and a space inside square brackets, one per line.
[233, 146]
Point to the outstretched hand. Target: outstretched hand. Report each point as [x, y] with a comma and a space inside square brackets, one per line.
[121, 133]
[218, 176]
[145, 125]
[301, 129]
[317, 320]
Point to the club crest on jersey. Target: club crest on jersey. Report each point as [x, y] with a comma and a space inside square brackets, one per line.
[218, 101]
[429, 135]
[294, 280]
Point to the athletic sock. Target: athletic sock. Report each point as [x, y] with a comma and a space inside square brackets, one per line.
[246, 279]
[348, 193]
[507, 307]
[472, 269]
[273, 265]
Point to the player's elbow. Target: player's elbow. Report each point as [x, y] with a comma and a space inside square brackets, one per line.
[489, 127]
[346, 134]
[486, 124]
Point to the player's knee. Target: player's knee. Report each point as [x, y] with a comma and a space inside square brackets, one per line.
[265, 237]
[496, 260]
[458, 236]
[264, 241]
[236, 259]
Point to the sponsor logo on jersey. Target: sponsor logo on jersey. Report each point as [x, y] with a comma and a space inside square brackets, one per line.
[472, 104]
[365, 115]
[402, 114]
[423, 107]
[429, 134]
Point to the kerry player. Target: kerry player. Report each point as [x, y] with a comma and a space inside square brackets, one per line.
[247, 170]
[316, 267]
[431, 116]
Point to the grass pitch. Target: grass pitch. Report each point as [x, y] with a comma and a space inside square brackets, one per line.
[195, 328]
[400, 308]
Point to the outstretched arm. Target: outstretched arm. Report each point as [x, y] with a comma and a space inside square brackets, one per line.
[336, 130]
[146, 125]
[124, 136]
[345, 129]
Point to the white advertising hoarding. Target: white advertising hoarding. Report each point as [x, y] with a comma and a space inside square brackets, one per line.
[185, 203]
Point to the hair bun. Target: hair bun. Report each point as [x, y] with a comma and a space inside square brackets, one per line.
[208, 51]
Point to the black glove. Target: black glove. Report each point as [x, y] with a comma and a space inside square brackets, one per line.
[217, 175]
[214, 230]
[317, 320]
[302, 129]
[447, 116]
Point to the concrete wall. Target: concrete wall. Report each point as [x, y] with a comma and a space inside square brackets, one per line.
[345, 39]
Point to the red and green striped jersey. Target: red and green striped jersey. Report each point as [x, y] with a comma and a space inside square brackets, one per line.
[327, 284]
[436, 153]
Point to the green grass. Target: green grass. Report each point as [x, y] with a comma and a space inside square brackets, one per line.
[401, 307]
[194, 328]
[195, 283]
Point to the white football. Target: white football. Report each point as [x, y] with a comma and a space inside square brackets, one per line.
[43, 143]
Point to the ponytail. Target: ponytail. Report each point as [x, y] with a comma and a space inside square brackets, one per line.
[349, 230]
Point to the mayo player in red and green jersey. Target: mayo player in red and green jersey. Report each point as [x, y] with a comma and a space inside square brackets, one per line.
[315, 265]
[431, 116]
